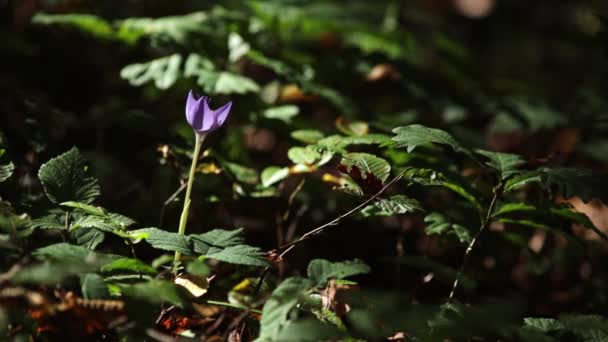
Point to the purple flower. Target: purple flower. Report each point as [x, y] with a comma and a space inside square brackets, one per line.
[202, 119]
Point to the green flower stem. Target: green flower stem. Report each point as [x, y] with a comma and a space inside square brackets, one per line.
[184, 217]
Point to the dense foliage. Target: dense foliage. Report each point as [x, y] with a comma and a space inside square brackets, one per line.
[420, 170]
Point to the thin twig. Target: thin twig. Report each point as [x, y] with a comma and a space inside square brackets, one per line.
[485, 223]
[318, 230]
[169, 200]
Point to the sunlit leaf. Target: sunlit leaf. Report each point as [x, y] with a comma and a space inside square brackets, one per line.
[398, 204]
[64, 179]
[320, 271]
[417, 135]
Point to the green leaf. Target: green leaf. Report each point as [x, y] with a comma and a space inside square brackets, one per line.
[163, 71]
[64, 179]
[157, 292]
[241, 255]
[446, 180]
[303, 155]
[52, 221]
[310, 330]
[87, 208]
[513, 207]
[284, 113]
[277, 308]
[6, 171]
[571, 182]
[521, 180]
[543, 324]
[51, 273]
[439, 224]
[178, 29]
[416, 135]
[219, 238]
[128, 265]
[368, 164]
[308, 136]
[504, 163]
[89, 238]
[93, 286]
[273, 174]
[224, 82]
[67, 253]
[164, 240]
[242, 173]
[398, 204]
[320, 271]
[338, 143]
[87, 23]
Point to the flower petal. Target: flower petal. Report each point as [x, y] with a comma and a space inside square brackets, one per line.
[192, 107]
[222, 113]
[209, 121]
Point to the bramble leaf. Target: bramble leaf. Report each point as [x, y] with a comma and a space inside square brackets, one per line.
[368, 164]
[6, 171]
[64, 179]
[416, 135]
[398, 204]
[320, 271]
[504, 163]
[281, 302]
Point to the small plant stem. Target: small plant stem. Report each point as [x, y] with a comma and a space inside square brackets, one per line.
[485, 223]
[184, 217]
[230, 305]
[320, 229]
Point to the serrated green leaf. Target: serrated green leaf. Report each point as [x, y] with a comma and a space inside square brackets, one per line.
[89, 238]
[240, 255]
[64, 179]
[6, 171]
[504, 163]
[164, 240]
[320, 271]
[52, 221]
[67, 253]
[338, 143]
[452, 182]
[224, 82]
[521, 180]
[157, 292]
[87, 208]
[440, 225]
[277, 308]
[175, 29]
[416, 135]
[220, 237]
[163, 71]
[273, 174]
[543, 324]
[127, 265]
[368, 164]
[308, 136]
[94, 287]
[399, 204]
[284, 113]
[303, 155]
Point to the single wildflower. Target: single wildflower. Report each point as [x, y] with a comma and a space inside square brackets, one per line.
[203, 120]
